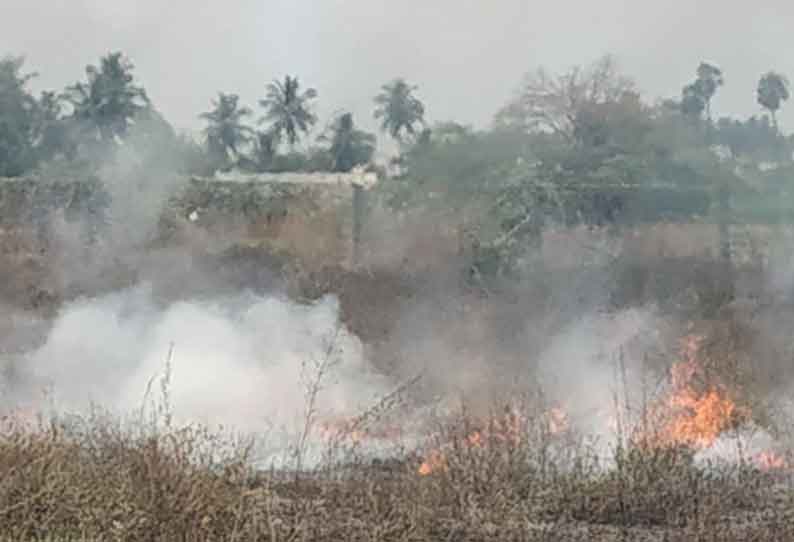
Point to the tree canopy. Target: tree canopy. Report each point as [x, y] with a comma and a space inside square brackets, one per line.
[226, 132]
[398, 109]
[349, 147]
[288, 110]
[106, 104]
[773, 90]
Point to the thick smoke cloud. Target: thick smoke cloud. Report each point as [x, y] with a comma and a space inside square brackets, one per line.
[243, 362]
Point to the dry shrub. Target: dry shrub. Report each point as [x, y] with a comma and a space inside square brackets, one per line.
[93, 478]
[96, 478]
[659, 487]
[555, 487]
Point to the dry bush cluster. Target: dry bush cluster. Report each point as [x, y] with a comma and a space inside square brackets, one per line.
[94, 478]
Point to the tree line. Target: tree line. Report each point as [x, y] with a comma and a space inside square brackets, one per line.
[109, 108]
[579, 146]
[585, 147]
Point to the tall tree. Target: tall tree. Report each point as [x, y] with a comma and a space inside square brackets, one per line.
[398, 110]
[226, 131]
[17, 119]
[288, 110]
[107, 103]
[696, 96]
[773, 90]
[709, 79]
[350, 147]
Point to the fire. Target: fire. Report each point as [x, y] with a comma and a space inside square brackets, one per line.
[340, 430]
[694, 414]
[771, 461]
[699, 419]
[506, 430]
[435, 462]
[353, 431]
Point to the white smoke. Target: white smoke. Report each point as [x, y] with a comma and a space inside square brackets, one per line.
[245, 363]
[595, 366]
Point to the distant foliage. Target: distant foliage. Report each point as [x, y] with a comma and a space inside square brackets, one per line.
[580, 147]
[107, 103]
[349, 147]
[226, 134]
[696, 96]
[288, 110]
[773, 90]
[398, 110]
[18, 112]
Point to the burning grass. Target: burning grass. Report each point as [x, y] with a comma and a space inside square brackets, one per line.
[513, 479]
[694, 412]
[523, 471]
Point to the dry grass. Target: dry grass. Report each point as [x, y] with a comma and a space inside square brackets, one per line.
[96, 479]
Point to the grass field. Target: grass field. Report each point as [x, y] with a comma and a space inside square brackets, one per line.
[497, 477]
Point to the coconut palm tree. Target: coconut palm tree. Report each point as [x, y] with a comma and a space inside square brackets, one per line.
[288, 110]
[226, 132]
[398, 110]
[109, 100]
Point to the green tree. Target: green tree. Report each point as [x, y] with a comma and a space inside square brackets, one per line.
[692, 102]
[349, 147]
[226, 133]
[158, 147]
[264, 152]
[773, 90]
[398, 110]
[696, 97]
[53, 130]
[755, 139]
[288, 110]
[17, 119]
[107, 103]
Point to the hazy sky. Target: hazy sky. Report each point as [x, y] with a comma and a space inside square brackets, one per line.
[467, 56]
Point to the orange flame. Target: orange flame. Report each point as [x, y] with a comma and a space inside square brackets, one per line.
[435, 462]
[771, 461]
[693, 416]
[502, 430]
[351, 430]
[700, 419]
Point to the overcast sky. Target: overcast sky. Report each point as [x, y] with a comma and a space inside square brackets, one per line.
[467, 56]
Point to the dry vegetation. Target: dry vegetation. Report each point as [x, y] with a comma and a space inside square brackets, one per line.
[514, 476]
[96, 478]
